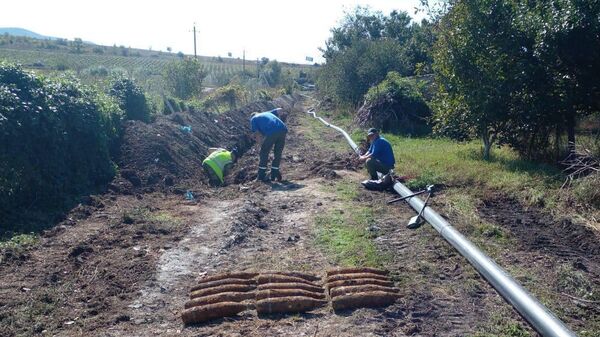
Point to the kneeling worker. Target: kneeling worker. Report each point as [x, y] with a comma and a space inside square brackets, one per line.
[380, 157]
[269, 126]
[217, 163]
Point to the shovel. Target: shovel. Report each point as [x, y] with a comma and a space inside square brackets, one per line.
[417, 220]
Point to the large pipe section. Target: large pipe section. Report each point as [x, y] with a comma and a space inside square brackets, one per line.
[344, 133]
[540, 318]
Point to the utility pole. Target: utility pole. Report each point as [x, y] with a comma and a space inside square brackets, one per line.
[195, 55]
[244, 61]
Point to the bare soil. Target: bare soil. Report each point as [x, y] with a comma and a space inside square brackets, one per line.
[122, 264]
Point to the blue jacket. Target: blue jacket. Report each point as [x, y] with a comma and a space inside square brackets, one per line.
[267, 123]
[381, 150]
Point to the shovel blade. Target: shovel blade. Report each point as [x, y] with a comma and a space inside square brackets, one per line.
[415, 222]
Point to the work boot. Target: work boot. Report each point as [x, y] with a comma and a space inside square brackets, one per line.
[262, 175]
[275, 174]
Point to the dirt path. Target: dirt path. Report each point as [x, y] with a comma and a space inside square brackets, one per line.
[122, 265]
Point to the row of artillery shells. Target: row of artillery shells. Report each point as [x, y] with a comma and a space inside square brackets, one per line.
[288, 293]
[353, 288]
[228, 294]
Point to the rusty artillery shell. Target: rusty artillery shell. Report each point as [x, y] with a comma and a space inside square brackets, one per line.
[274, 293]
[216, 283]
[361, 289]
[208, 312]
[371, 299]
[306, 276]
[276, 278]
[340, 277]
[357, 282]
[218, 298]
[294, 304]
[302, 286]
[355, 270]
[221, 276]
[222, 289]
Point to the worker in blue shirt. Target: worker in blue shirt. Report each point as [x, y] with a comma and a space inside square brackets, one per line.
[380, 157]
[272, 130]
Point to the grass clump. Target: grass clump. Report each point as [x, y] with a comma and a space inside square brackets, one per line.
[16, 246]
[158, 223]
[344, 235]
[345, 190]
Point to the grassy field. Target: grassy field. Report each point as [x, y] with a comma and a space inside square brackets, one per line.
[147, 67]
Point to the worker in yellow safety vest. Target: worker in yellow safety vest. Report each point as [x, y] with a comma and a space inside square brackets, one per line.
[217, 163]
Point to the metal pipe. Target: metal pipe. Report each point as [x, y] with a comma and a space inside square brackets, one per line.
[540, 318]
[348, 139]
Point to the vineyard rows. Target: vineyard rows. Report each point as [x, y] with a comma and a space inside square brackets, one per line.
[144, 65]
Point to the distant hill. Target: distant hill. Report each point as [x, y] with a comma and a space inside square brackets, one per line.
[24, 32]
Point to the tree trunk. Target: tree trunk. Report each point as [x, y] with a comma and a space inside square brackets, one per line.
[557, 143]
[571, 130]
[487, 144]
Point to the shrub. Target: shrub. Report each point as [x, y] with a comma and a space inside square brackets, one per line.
[587, 190]
[131, 99]
[184, 78]
[55, 137]
[229, 96]
[395, 104]
[99, 70]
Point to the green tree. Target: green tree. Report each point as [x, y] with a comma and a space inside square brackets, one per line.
[366, 46]
[475, 61]
[567, 44]
[514, 71]
[184, 78]
[273, 73]
[349, 74]
[77, 45]
[131, 99]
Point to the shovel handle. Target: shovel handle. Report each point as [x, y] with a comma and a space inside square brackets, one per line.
[406, 197]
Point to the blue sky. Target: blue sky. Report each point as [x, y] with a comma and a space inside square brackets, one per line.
[283, 30]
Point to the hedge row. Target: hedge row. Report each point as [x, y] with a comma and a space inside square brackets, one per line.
[55, 136]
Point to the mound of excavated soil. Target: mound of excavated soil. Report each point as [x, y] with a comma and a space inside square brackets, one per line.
[167, 154]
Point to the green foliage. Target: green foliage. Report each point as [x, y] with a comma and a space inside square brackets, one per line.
[344, 235]
[349, 74]
[366, 46]
[272, 73]
[77, 45]
[98, 71]
[395, 104]
[587, 190]
[184, 78]
[516, 72]
[55, 137]
[229, 97]
[131, 99]
[17, 245]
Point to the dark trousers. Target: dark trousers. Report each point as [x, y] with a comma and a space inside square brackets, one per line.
[276, 140]
[374, 166]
